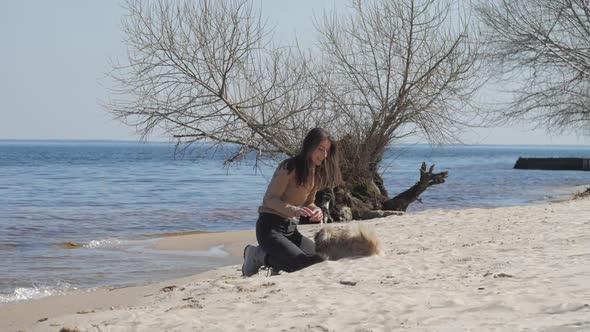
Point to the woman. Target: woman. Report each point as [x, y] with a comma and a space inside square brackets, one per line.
[290, 195]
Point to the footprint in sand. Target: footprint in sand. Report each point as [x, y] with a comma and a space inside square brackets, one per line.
[566, 307]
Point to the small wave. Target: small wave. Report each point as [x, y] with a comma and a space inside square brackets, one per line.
[102, 243]
[8, 246]
[216, 252]
[35, 292]
[94, 244]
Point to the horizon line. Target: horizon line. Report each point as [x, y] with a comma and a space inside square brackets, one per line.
[107, 140]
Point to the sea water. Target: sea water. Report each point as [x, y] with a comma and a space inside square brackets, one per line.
[114, 199]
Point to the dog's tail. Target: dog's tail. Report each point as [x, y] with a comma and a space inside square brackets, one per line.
[373, 245]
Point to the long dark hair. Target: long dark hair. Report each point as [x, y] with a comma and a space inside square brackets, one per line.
[327, 175]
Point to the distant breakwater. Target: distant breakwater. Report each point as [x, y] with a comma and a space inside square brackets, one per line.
[556, 164]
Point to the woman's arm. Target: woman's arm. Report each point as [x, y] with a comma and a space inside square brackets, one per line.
[317, 213]
[274, 192]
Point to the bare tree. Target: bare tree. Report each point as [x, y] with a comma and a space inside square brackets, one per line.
[393, 69]
[547, 44]
[207, 70]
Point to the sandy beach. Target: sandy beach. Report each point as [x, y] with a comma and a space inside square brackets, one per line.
[505, 269]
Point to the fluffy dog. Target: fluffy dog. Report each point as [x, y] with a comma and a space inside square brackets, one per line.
[336, 243]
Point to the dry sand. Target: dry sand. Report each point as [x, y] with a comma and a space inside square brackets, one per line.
[505, 269]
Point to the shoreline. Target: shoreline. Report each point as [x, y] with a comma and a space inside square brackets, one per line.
[508, 268]
[25, 314]
[230, 244]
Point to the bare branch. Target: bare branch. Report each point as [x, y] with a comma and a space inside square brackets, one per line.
[547, 43]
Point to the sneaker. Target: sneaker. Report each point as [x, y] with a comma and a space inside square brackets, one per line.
[253, 260]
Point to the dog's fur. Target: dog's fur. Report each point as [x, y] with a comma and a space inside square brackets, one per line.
[336, 243]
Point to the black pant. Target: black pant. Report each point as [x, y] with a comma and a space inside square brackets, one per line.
[286, 248]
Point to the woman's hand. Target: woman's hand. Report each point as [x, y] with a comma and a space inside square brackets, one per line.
[317, 215]
[304, 212]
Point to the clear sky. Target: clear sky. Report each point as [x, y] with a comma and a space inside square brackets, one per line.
[55, 54]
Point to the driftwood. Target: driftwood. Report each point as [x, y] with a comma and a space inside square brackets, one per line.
[348, 202]
[584, 194]
[427, 179]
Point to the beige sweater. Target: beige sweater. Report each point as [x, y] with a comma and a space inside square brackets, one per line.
[284, 196]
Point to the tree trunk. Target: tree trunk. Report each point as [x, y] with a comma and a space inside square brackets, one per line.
[354, 201]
